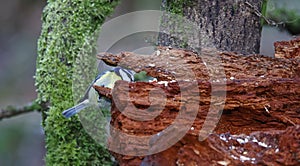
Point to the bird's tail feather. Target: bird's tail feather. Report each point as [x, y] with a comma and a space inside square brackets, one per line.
[74, 110]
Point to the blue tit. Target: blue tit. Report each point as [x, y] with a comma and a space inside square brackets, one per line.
[106, 79]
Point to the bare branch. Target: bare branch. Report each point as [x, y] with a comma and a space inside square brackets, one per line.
[11, 111]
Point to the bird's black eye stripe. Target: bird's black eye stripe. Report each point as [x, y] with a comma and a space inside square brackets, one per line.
[125, 74]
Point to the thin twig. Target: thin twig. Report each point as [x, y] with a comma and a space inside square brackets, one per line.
[259, 14]
[12, 111]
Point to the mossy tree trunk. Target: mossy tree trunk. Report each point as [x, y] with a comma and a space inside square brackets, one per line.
[70, 30]
[231, 25]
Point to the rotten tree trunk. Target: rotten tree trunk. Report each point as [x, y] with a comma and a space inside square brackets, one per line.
[260, 122]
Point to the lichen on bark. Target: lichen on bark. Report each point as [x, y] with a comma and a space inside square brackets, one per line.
[70, 30]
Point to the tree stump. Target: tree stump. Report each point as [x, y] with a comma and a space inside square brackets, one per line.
[257, 123]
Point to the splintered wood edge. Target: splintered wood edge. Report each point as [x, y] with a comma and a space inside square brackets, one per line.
[108, 58]
[161, 73]
[103, 91]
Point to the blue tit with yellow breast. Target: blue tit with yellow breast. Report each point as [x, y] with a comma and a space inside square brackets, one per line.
[106, 79]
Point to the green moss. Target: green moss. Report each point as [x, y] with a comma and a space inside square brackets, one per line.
[177, 6]
[67, 40]
[286, 18]
[263, 11]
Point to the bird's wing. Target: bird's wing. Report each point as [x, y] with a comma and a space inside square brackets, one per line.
[77, 108]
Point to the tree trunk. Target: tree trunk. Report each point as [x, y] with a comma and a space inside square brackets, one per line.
[66, 50]
[229, 25]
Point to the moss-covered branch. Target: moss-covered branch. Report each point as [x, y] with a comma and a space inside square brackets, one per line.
[12, 111]
[70, 31]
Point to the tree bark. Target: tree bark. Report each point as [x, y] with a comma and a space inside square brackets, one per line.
[227, 25]
[261, 111]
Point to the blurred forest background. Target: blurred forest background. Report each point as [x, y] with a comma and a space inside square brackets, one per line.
[21, 137]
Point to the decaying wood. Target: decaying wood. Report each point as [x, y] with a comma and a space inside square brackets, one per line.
[287, 49]
[262, 106]
[259, 148]
[168, 63]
